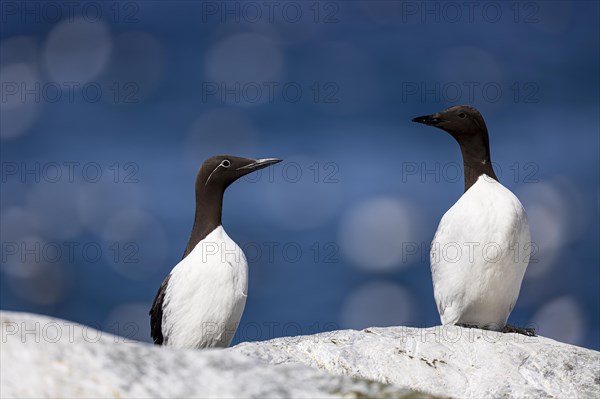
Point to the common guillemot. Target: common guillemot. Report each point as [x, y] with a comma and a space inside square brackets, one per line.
[478, 284]
[200, 303]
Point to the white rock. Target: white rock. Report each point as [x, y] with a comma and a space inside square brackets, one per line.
[45, 357]
[446, 361]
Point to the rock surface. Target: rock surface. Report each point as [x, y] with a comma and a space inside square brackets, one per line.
[45, 357]
[446, 361]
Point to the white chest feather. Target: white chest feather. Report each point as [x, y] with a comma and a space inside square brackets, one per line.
[206, 294]
[479, 255]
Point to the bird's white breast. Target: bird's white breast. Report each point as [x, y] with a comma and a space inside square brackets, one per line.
[206, 294]
[479, 255]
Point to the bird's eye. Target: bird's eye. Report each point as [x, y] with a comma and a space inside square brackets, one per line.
[461, 115]
[226, 163]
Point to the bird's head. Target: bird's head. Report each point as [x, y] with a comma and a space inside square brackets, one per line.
[218, 172]
[460, 121]
[466, 125]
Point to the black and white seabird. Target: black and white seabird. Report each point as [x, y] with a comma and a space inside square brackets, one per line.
[477, 283]
[200, 303]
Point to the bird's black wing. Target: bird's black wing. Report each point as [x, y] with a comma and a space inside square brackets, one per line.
[156, 313]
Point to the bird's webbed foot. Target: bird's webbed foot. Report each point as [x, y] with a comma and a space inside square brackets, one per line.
[466, 325]
[530, 332]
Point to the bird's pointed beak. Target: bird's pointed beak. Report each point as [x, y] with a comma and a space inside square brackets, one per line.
[256, 164]
[431, 120]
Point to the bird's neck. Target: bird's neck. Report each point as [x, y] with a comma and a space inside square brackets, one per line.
[476, 159]
[209, 207]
